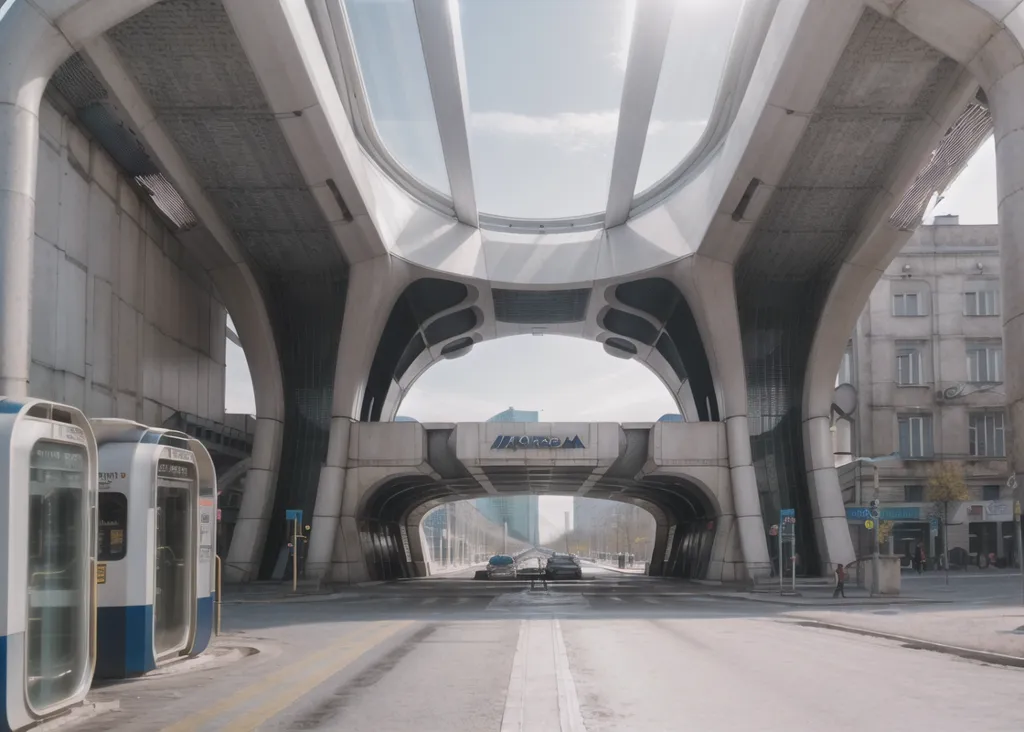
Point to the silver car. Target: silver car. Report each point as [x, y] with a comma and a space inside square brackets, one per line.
[501, 566]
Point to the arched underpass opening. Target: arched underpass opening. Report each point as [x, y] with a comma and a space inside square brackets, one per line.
[396, 544]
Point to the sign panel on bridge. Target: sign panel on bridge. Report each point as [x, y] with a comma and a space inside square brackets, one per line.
[532, 442]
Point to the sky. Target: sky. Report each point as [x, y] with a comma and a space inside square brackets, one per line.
[542, 131]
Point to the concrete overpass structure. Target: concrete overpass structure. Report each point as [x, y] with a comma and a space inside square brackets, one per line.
[233, 142]
[398, 471]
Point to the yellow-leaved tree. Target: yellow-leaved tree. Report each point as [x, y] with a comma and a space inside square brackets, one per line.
[946, 488]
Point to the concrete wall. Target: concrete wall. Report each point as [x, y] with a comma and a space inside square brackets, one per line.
[123, 322]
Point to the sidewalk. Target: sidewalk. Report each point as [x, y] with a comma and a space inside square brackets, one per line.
[993, 630]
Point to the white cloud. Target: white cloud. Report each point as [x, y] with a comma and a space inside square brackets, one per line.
[578, 129]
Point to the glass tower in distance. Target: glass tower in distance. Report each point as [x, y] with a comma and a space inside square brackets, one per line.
[521, 512]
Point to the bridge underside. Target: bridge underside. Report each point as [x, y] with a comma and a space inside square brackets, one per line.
[684, 518]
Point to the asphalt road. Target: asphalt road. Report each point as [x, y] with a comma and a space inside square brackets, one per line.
[613, 652]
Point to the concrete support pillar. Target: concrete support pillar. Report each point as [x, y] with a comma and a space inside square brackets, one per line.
[373, 287]
[829, 513]
[1006, 100]
[717, 313]
[32, 50]
[254, 515]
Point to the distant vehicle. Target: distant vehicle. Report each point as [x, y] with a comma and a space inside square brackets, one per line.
[563, 566]
[501, 566]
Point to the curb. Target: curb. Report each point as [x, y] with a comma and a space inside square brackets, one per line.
[769, 599]
[973, 654]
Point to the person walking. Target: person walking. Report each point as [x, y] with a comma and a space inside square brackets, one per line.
[840, 581]
[919, 558]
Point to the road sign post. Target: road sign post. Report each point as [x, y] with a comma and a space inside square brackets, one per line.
[787, 533]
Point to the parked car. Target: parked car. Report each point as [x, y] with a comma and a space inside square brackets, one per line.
[563, 566]
[501, 566]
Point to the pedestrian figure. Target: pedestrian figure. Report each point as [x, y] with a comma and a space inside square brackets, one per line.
[919, 558]
[840, 581]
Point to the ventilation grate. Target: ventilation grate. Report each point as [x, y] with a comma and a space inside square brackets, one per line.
[540, 307]
[83, 91]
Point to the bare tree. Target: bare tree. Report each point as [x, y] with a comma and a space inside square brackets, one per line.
[946, 487]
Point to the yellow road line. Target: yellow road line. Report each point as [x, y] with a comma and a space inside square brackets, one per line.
[288, 673]
[303, 686]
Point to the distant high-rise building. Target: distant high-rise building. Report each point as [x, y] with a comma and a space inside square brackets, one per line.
[521, 512]
[671, 418]
[515, 415]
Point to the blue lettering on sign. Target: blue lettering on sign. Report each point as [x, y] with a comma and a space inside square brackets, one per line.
[891, 513]
[529, 442]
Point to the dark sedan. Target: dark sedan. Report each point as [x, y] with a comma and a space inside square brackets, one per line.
[563, 566]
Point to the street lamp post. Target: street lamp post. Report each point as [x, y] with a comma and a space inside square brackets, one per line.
[876, 515]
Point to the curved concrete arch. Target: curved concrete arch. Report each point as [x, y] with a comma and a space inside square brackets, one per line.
[684, 406]
[655, 501]
[883, 234]
[37, 37]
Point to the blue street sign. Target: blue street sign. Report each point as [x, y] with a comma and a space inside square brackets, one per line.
[293, 514]
[787, 523]
[886, 513]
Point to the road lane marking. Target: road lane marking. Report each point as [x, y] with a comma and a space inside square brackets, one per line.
[462, 601]
[570, 718]
[302, 686]
[651, 601]
[288, 673]
[532, 701]
[515, 697]
[430, 601]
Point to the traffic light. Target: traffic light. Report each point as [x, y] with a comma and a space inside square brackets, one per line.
[874, 508]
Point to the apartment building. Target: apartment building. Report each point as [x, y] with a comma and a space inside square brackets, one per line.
[926, 359]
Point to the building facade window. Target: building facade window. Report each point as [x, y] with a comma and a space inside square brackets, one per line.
[915, 435]
[908, 364]
[990, 493]
[984, 363]
[986, 435]
[913, 493]
[981, 302]
[906, 305]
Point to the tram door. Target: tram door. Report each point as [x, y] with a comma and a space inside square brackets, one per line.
[175, 564]
[57, 639]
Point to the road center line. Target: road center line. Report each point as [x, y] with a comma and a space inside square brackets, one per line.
[570, 718]
[541, 688]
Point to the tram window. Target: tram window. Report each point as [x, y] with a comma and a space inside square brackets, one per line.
[175, 563]
[57, 637]
[113, 533]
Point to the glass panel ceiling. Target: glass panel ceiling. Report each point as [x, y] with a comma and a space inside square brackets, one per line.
[544, 83]
[698, 48]
[544, 79]
[390, 55]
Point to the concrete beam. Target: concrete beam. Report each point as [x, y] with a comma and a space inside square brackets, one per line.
[282, 45]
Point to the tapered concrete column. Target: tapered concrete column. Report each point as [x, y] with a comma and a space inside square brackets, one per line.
[374, 286]
[250, 534]
[1006, 100]
[718, 317]
[35, 38]
[31, 48]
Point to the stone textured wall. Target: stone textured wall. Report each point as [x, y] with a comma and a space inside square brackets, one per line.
[124, 322]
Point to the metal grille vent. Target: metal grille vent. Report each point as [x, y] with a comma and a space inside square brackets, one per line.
[77, 84]
[83, 91]
[953, 152]
[166, 198]
[540, 307]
